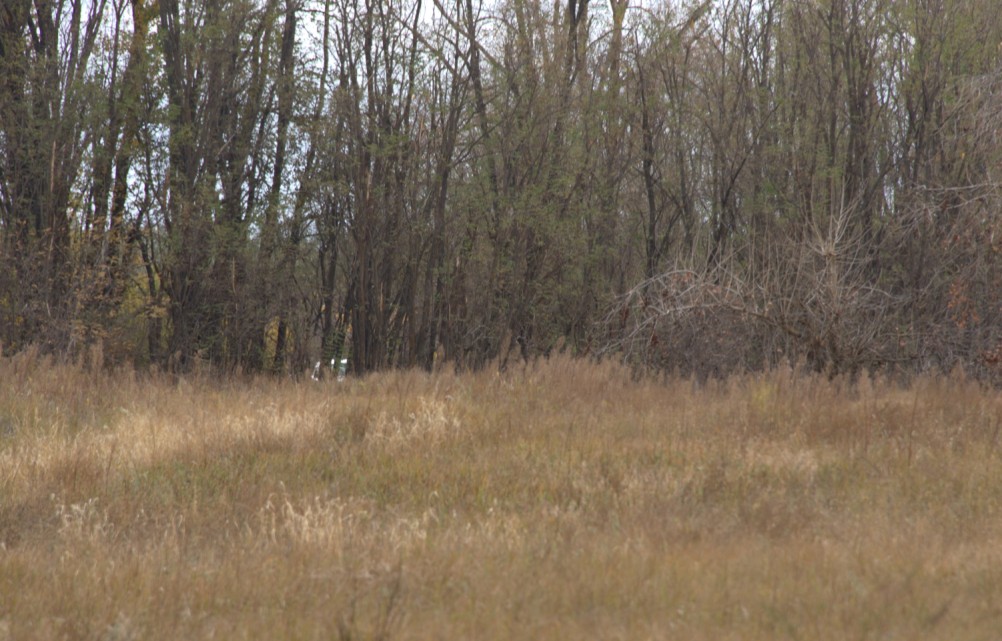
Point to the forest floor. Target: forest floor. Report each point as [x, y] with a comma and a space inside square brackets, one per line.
[562, 500]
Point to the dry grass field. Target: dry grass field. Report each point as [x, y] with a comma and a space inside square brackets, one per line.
[563, 500]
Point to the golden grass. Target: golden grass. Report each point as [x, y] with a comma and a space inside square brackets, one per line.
[563, 500]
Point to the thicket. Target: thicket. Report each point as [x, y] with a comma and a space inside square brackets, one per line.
[697, 187]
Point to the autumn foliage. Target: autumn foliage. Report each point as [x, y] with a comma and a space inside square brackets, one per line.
[255, 185]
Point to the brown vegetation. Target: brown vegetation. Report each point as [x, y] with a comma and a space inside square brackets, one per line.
[558, 500]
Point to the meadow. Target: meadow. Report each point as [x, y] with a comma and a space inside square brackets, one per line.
[558, 500]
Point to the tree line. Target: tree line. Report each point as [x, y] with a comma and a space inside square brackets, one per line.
[703, 187]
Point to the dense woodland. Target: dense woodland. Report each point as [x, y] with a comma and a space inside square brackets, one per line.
[257, 184]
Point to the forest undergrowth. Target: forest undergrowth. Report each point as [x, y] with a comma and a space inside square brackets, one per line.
[562, 499]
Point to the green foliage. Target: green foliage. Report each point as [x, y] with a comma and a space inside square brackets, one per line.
[255, 184]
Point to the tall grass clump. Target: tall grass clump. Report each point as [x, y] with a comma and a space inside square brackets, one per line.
[557, 499]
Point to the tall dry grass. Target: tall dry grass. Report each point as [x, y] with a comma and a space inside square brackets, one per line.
[562, 500]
